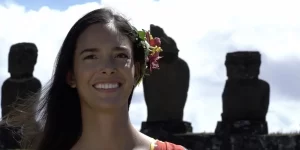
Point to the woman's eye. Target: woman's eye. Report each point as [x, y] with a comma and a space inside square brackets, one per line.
[122, 55]
[90, 57]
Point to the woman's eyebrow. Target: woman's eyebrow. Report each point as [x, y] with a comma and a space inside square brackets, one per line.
[88, 50]
[121, 48]
[117, 48]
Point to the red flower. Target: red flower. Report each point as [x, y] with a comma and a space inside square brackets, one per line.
[148, 37]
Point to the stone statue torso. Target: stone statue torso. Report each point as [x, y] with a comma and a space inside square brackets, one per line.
[21, 61]
[13, 90]
[245, 96]
[250, 99]
[166, 90]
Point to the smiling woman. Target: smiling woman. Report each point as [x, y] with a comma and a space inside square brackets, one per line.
[104, 70]
[85, 106]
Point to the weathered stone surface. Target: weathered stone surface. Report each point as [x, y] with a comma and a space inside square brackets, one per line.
[22, 83]
[22, 58]
[167, 86]
[242, 127]
[159, 128]
[245, 100]
[238, 142]
[245, 96]
[243, 64]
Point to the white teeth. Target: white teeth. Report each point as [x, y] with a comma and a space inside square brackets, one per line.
[107, 86]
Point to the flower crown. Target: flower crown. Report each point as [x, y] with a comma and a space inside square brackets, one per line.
[152, 49]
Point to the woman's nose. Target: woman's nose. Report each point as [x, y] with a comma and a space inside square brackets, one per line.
[109, 67]
[108, 71]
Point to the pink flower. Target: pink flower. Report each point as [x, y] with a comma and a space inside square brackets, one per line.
[153, 61]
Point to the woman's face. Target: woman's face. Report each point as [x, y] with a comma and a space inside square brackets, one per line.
[104, 69]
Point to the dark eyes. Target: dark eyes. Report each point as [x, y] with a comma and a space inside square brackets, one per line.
[90, 57]
[121, 55]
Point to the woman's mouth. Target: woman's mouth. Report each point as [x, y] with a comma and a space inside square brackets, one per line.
[107, 86]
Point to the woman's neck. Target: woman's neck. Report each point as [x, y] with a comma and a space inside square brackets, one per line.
[107, 130]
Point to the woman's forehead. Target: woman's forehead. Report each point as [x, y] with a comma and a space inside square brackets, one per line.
[102, 34]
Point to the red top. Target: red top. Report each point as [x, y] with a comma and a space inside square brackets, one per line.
[159, 145]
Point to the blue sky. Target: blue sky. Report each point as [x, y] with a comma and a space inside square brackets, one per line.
[54, 4]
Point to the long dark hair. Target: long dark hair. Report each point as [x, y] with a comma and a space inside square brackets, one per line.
[59, 110]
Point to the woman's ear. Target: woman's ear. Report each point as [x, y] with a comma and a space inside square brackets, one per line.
[71, 79]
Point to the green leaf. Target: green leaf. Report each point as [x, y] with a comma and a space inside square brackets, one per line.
[142, 35]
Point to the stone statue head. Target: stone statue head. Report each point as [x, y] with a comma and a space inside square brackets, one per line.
[168, 44]
[22, 58]
[243, 64]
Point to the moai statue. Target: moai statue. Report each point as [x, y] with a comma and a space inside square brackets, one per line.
[165, 90]
[245, 96]
[21, 84]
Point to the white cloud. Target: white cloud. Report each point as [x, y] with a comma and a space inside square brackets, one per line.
[204, 32]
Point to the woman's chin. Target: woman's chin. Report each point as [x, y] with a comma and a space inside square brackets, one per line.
[108, 104]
